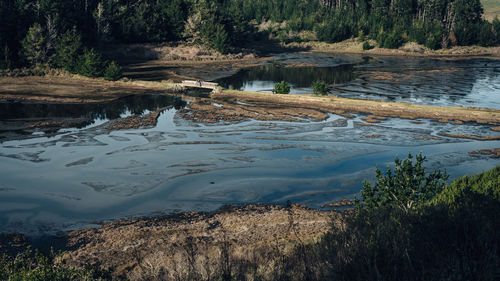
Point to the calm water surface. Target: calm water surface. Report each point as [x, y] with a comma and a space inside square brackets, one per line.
[445, 82]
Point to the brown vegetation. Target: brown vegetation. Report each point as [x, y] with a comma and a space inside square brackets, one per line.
[195, 243]
[472, 137]
[494, 153]
[74, 89]
[134, 122]
[355, 46]
[315, 107]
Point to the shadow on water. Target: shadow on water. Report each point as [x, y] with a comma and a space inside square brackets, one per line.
[300, 77]
[130, 105]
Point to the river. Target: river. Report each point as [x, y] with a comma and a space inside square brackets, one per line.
[77, 177]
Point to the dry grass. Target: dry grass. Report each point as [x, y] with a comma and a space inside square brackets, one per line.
[76, 89]
[355, 46]
[192, 244]
[491, 9]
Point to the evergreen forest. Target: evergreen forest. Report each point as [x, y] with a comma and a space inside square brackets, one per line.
[69, 34]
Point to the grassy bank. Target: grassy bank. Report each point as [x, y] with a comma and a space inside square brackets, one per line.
[411, 49]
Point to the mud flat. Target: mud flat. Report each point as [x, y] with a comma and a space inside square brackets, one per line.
[315, 107]
[75, 89]
[131, 248]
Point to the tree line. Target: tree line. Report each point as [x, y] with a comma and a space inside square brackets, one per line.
[68, 33]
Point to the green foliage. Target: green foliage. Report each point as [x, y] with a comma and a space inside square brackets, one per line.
[487, 36]
[33, 267]
[91, 64]
[467, 34]
[429, 34]
[320, 88]
[32, 32]
[367, 46]
[496, 28]
[35, 45]
[5, 61]
[113, 71]
[406, 187]
[282, 88]
[220, 41]
[452, 234]
[334, 30]
[68, 50]
[393, 40]
[486, 184]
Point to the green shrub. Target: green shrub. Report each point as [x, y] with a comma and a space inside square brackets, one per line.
[91, 64]
[487, 36]
[29, 266]
[333, 30]
[68, 51]
[113, 72]
[406, 187]
[466, 34]
[320, 88]
[220, 41]
[393, 40]
[34, 45]
[5, 61]
[282, 88]
[453, 233]
[367, 46]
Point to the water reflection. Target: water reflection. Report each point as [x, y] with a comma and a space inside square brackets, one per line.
[130, 105]
[444, 82]
[299, 77]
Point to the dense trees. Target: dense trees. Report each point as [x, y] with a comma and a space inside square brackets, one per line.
[33, 32]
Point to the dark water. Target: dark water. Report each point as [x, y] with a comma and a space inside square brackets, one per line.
[77, 177]
[131, 105]
[445, 82]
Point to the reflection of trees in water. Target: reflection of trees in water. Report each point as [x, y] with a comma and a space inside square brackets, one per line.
[298, 76]
[136, 104]
[448, 81]
[434, 81]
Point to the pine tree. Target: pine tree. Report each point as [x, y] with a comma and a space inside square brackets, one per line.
[68, 49]
[35, 45]
[91, 64]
